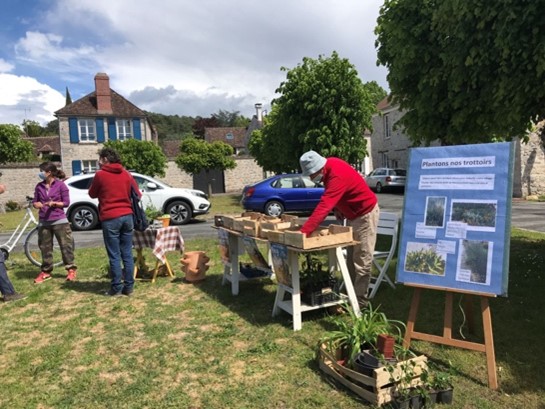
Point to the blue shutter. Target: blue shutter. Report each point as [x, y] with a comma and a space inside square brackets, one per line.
[136, 129]
[112, 129]
[99, 123]
[76, 167]
[73, 130]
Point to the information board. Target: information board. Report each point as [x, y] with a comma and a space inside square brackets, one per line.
[456, 223]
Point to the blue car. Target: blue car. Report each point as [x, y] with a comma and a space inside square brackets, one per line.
[282, 193]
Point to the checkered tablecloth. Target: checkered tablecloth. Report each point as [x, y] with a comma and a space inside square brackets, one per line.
[160, 240]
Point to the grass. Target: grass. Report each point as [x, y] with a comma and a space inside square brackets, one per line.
[176, 345]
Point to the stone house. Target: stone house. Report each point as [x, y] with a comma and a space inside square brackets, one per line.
[390, 148]
[100, 116]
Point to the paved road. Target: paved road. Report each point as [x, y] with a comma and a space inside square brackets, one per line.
[524, 215]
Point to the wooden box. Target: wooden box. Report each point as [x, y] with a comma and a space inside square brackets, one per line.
[275, 236]
[378, 388]
[332, 235]
[253, 227]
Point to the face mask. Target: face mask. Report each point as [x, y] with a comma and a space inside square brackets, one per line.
[41, 175]
[317, 178]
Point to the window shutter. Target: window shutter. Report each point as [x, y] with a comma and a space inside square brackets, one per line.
[136, 128]
[112, 129]
[73, 130]
[76, 167]
[99, 122]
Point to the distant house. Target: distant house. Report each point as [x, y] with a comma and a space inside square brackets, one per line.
[46, 147]
[100, 116]
[390, 148]
[231, 136]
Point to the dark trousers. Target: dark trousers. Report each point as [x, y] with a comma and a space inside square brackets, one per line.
[63, 234]
[6, 288]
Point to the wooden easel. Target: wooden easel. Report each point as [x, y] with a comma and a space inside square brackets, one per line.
[446, 338]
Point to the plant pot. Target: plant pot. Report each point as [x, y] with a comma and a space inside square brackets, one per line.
[164, 220]
[370, 359]
[445, 396]
[432, 397]
[385, 345]
[401, 403]
[361, 366]
[195, 265]
[416, 402]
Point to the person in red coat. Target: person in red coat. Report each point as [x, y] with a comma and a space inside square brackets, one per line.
[112, 186]
[347, 194]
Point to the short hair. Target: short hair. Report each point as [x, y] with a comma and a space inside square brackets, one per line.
[110, 155]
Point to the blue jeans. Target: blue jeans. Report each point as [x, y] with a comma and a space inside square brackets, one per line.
[6, 288]
[117, 235]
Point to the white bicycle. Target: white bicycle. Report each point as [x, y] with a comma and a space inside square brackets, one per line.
[32, 250]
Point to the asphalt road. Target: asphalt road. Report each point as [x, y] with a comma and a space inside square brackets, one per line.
[524, 215]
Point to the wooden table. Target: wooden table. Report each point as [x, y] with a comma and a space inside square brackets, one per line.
[293, 306]
[160, 241]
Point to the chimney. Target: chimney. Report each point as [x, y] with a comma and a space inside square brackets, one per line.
[103, 92]
[259, 112]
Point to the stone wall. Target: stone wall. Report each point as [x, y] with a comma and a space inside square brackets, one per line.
[20, 179]
[529, 178]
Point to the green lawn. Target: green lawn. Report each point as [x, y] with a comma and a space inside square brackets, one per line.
[177, 345]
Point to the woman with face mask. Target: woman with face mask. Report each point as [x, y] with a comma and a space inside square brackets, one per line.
[51, 196]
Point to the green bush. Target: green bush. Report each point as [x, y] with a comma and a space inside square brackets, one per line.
[12, 206]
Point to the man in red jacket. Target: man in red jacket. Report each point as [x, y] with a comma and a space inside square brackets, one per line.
[347, 194]
[112, 186]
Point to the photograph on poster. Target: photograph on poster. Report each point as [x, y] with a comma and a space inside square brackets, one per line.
[475, 261]
[424, 258]
[255, 255]
[435, 211]
[223, 240]
[279, 255]
[479, 215]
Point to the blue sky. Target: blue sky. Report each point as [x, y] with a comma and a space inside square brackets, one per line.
[182, 57]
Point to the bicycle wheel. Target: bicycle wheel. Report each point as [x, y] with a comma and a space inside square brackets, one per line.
[34, 254]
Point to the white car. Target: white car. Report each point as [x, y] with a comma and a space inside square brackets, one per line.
[181, 204]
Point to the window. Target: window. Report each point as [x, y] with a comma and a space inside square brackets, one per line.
[89, 166]
[124, 129]
[87, 131]
[387, 126]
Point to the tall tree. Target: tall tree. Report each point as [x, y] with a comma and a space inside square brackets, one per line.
[12, 147]
[230, 119]
[464, 71]
[376, 92]
[141, 156]
[52, 127]
[201, 123]
[197, 155]
[68, 97]
[323, 106]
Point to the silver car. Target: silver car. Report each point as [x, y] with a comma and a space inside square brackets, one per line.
[386, 178]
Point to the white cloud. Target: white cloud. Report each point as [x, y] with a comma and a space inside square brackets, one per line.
[199, 56]
[5, 66]
[25, 98]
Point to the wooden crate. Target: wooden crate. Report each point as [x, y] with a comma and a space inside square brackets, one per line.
[252, 227]
[229, 221]
[336, 235]
[377, 389]
[275, 236]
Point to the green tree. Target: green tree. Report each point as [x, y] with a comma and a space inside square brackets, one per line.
[464, 72]
[230, 119]
[32, 128]
[141, 156]
[323, 105]
[376, 92]
[12, 147]
[171, 127]
[197, 155]
[52, 127]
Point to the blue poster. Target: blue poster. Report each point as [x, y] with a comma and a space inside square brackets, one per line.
[456, 225]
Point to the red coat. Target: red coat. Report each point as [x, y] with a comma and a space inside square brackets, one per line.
[112, 186]
[345, 190]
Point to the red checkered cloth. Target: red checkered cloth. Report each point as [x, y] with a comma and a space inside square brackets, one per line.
[160, 240]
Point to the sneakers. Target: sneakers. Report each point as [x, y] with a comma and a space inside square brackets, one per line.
[126, 292]
[112, 293]
[71, 276]
[43, 276]
[14, 297]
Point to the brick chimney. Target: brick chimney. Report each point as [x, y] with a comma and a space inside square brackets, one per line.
[103, 92]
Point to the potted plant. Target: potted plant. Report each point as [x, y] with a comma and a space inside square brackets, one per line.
[152, 213]
[404, 396]
[318, 286]
[441, 382]
[353, 331]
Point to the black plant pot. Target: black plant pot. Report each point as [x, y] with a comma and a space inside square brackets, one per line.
[401, 403]
[432, 398]
[445, 396]
[361, 366]
[416, 402]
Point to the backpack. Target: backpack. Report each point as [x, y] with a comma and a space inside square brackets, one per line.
[139, 218]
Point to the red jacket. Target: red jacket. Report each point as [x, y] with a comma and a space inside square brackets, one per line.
[112, 186]
[345, 190]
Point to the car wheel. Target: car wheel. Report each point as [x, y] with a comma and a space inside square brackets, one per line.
[274, 208]
[378, 187]
[83, 218]
[180, 212]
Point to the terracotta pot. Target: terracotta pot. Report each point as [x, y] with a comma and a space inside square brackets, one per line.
[195, 265]
[164, 220]
[385, 345]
